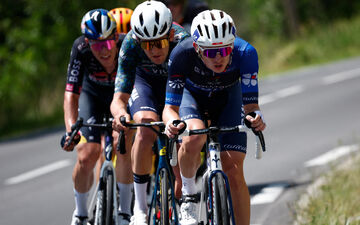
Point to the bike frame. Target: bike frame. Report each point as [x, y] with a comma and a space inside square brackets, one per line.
[162, 164]
[108, 167]
[162, 145]
[214, 167]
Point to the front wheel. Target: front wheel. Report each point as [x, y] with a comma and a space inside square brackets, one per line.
[164, 197]
[220, 207]
[104, 202]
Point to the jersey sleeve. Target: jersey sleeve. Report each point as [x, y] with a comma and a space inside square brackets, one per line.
[249, 76]
[128, 60]
[176, 77]
[75, 71]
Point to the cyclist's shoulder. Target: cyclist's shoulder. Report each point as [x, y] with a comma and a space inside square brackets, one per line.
[243, 48]
[180, 33]
[183, 48]
[80, 49]
[80, 44]
[130, 48]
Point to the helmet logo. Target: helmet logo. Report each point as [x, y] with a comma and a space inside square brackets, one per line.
[196, 35]
[95, 15]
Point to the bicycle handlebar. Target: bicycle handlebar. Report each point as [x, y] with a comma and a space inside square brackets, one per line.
[161, 125]
[107, 125]
[260, 141]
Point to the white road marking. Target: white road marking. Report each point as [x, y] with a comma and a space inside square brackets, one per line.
[268, 194]
[331, 155]
[280, 94]
[338, 77]
[38, 172]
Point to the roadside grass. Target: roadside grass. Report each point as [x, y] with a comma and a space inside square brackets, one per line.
[316, 45]
[336, 201]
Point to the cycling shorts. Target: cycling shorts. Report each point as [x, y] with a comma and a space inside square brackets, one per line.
[147, 95]
[224, 108]
[93, 105]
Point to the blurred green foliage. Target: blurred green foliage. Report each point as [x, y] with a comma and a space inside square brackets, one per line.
[36, 38]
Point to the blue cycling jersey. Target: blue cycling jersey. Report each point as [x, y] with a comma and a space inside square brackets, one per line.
[134, 62]
[186, 69]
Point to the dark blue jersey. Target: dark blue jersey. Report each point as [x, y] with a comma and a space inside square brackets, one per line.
[186, 69]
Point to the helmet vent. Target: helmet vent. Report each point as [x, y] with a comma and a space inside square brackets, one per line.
[139, 32]
[212, 16]
[216, 31]
[224, 29]
[230, 26]
[141, 19]
[146, 32]
[155, 30]
[200, 30]
[207, 31]
[221, 14]
[157, 17]
[163, 29]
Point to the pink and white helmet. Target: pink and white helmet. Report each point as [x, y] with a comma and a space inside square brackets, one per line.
[151, 20]
[212, 28]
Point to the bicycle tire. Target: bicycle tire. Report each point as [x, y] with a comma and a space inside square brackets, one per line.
[109, 180]
[220, 212]
[100, 205]
[164, 197]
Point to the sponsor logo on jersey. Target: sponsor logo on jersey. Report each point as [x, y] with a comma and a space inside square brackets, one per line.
[176, 84]
[69, 87]
[250, 79]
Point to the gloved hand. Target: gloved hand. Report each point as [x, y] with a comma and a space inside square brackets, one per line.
[69, 146]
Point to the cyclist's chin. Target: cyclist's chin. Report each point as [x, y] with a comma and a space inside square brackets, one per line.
[157, 59]
[218, 68]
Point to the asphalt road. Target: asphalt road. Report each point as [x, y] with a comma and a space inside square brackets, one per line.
[309, 112]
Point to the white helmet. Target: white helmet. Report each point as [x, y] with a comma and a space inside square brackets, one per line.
[213, 28]
[151, 20]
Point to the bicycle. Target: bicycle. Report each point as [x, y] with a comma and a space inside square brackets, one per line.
[106, 191]
[215, 185]
[162, 208]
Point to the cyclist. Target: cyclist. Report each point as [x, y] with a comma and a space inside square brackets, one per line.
[220, 78]
[184, 11]
[88, 94]
[143, 65]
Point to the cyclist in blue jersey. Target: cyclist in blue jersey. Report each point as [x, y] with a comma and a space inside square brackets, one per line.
[214, 72]
[140, 84]
[88, 94]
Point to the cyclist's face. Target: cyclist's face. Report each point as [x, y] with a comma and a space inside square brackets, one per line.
[218, 62]
[104, 51]
[158, 50]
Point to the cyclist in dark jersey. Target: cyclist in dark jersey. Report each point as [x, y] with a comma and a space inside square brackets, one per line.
[140, 84]
[88, 94]
[220, 78]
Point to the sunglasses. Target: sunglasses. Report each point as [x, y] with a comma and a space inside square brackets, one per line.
[98, 45]
[148, 45]
[212, 52]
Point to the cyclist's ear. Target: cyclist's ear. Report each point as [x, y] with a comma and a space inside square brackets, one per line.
[171, 34]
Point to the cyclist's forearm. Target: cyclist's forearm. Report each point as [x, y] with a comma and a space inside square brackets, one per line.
[119, 104]
[251, 108]
[71, 104]
[170, 112]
